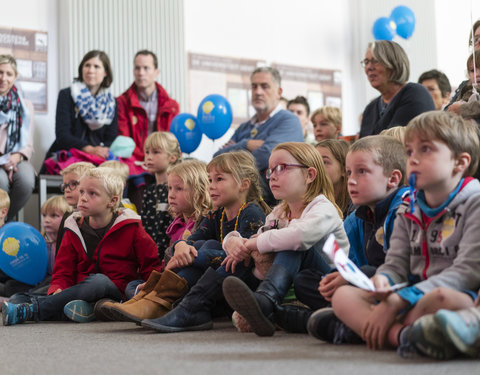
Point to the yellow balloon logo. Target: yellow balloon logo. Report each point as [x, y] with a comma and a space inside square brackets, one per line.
[190, 124]
[11, 246]
[207, 107]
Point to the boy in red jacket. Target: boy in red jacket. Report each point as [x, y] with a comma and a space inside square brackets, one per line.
[102, 250]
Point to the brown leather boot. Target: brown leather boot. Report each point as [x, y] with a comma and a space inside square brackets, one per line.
[157, 303]
[103, 308]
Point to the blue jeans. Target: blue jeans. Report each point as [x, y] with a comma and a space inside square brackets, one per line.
[294, 261]
[93, 288]
[210, 254]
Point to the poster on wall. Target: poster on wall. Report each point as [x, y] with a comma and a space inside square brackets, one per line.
[30, 49]
[230, 77]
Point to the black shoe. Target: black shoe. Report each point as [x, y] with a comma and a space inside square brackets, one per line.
[180, 320]
[324, 325]
[244, 301]
[103, 311]
[293, 318]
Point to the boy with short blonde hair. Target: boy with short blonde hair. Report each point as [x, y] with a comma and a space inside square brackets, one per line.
[123, 171]
[435, 245]
[103, 249]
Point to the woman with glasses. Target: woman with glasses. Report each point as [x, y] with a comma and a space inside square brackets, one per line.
[387, 68]
[17, 175]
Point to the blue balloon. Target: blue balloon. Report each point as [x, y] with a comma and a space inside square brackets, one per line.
[189, 135]
[214, 116]
[383, 29]
[404, 18]
[23, 253]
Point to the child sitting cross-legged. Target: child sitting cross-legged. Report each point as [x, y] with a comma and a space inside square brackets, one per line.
[375, 167]
[435, 244]
[103, 248]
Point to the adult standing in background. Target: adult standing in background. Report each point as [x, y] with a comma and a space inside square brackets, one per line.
[145, 107]
[438, 86]
[86, 116]
[474, 44]
[270, 125]
[17, 175]
[300, 107]
[388, 69]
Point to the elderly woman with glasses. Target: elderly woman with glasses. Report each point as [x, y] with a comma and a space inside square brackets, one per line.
[387, 68]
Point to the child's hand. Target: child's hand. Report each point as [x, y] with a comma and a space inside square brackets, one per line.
[183, 255]
[329, 284]
[235, 248]
[382, 317]
[230, 263]
[382, 287]
[251, 243]
[139, 288]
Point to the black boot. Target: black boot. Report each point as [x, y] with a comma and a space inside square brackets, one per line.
[293, 318]
[194, 311]
[259, 308]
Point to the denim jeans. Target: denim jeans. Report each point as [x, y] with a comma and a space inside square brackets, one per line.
[294, 261]
[93, 288]
[210, 254]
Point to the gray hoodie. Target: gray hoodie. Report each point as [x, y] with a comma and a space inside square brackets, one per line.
[444, 253]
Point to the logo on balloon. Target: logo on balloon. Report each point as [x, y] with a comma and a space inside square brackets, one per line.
[190, 124]
[207, 107]
[11, 246]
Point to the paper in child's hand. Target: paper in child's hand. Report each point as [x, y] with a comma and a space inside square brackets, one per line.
[348, 269]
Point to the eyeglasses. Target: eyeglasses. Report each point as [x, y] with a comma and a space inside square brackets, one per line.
[280, 168]
[365, 62]
[72, 185]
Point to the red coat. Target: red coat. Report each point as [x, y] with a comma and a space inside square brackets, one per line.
[125, 253]
[133, 121]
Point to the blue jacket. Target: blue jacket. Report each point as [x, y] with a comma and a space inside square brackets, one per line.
[284, 126]
[354, 226]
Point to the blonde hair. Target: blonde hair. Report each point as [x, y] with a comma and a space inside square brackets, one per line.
[9, 59]
[331, 114]
[339, 149]
[56, 203]
[78, 168]
[308, 156]
[241, 165]
[119, 167]
[388, 152]
[459, 135]
[164, 141]
[397, 132]
[4, 199]
[194, 174]
[111, 180]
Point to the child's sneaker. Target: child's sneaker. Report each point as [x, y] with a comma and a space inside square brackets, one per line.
[425, 337]
[324, 325]
[79, 311]
[462, 328]
[15, 314]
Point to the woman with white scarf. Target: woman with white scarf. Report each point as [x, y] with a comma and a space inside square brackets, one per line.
[17, 175]
[86, 116]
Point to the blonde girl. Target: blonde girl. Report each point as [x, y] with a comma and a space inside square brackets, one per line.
[334, 153]
[161, 151]
[52, 213]
[295, 231]
[188, 200]
[235, 193]
[327, 123]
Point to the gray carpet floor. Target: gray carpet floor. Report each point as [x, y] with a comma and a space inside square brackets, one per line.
[123, 348]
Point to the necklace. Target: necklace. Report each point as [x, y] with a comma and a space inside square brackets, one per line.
[236, 221]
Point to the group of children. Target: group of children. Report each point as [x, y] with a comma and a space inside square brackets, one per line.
[215, 239]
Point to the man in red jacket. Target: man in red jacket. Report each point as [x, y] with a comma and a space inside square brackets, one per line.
[145, 107]
[102, 250]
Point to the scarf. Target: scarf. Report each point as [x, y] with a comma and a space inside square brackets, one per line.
[11, 111]
[97, 110]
